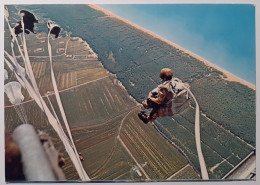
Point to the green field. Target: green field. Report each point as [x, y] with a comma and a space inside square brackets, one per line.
[96, 105]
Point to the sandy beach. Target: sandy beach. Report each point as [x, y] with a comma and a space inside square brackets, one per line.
[229, 76]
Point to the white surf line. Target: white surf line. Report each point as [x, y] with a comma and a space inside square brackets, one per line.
[7, 106]
[230, 76]
[204, 172]
[129, 152]
[81, 171]
[176, 173]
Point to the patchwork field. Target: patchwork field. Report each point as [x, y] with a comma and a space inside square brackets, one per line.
[222, 150]
[115, 144]
[103, 116]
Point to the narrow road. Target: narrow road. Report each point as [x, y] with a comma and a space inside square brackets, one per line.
[122, 121]
[125, 147]
[169, 178]
[129, 152]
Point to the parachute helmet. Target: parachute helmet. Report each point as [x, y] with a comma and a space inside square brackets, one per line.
[166, 73]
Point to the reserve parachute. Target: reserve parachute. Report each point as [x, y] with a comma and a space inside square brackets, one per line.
[181, 99]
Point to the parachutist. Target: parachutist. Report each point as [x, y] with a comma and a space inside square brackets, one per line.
[166, 100]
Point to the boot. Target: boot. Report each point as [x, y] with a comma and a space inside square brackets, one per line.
[143, 117]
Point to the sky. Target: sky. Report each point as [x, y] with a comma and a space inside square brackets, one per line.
[223, 34]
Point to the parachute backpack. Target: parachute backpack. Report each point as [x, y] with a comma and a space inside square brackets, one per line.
[181, 98]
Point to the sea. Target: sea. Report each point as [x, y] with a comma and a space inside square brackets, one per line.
[223, 34]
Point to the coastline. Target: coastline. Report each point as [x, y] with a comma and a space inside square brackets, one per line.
[229, 76]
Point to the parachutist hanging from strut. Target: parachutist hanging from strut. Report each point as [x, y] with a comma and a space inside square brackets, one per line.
[167, 99]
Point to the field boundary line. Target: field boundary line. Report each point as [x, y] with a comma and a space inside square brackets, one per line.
[7, 106]
[106, 121]
[239, 164]
[175, 146]
[224, 128]
[207, 145]
[176, 173]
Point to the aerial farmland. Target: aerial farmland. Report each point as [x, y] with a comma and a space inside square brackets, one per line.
[102, 76]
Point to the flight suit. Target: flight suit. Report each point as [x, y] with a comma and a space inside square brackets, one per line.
[163, 94]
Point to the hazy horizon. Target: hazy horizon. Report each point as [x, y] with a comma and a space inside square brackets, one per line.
[222, 34]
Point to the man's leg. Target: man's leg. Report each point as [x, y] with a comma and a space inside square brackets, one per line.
[152, 116]
[148, 104]
[143, 114]
[143, 117]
